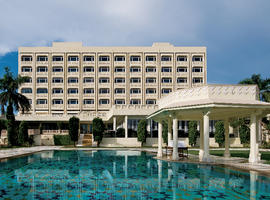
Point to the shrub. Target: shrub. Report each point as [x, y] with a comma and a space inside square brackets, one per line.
[142, 131]
[23, 133]
[193, 133]
[120, 132]
[244, 133]
[219, 133]
[3, 125]
[74, 129]
[62, 140]
[98, 130]
[165, 132]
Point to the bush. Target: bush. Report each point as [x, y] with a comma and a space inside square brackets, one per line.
[98, 130]
[193, 133]
[120, 132]
[62, 140]
[74, 129]
[165, 132]
[23, 133]
[244, 133]
[219, 133]
[142, 131]
[3, 125]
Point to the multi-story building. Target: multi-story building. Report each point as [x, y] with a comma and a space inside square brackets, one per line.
[118, 84]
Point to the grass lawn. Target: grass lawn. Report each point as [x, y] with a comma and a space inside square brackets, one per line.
[235, 153]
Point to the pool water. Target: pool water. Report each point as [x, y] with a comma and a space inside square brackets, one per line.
[122, 175]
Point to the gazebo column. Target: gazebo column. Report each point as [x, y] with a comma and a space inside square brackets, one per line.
[253, 156]
[201, 140]
[169, 129]
[227, 139]
[205, 157]
[175, 155]
[159, 154]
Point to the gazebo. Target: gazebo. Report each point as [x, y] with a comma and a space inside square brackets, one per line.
[211, 102]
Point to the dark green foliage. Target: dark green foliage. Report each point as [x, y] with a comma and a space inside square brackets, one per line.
[165, 132]
[142, 131]
[62, 140]
[193, 133]
[219, 133]
[98, 130]
[244, 133]
[120, 132]
[3, 125]
[23, 133]
[74, 129]
[31, 140]
[12, 133]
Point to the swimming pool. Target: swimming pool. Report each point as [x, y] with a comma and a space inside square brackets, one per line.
[122, 175]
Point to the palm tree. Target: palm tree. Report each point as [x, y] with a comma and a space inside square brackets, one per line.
[263, 85]
[12, 99]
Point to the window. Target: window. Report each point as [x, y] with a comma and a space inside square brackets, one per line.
[119, 69]
[135, 91]
[57, 69]
[119, 91]
[73, 58]
[166, 80]
[150, 90]
[73, 91]
[88, 80]
[197, 69]
[166, 58]
[197, 58]
[26, 69]
[197, 80]
[26, 58]
[181, 80]
[166, 90]
[72, 80]
[104, 58]
[88, 90]
[166, 69]
[42, 91]
[119, 101]
[88, 58]
[104, 91]
[182, 58]
[150, 58]
[30, 101]
[41, 101]
[119, 80]
[104, 69]
[135, 80]
[150, 101]
[57, 91]
[104, 101]
[104, 80]
[57, 58]
[119, 58]
[181, 69]
[135, 58]
[57, 80]
[41, 80]
[88, 101]
[150, 80]
[88, 69]
[42, 58]
[42, 69]
[73, 101]
[150, 69]
[57, 101]
[28, 80]
[135, 69]
[26, 90]
[73, 69]
[135, 101]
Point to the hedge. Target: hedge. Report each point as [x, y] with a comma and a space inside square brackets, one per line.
[62, 140]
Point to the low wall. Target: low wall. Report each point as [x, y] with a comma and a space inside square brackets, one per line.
[120, 142]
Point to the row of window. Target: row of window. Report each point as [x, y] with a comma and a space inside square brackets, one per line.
[165, 58]
[117, 69]
[91, 101]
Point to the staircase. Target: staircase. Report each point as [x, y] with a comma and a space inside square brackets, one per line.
[87, 140]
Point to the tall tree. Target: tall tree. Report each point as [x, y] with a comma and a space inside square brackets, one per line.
[11, 98]
[98, 130]
[142, 131]
[74, 124]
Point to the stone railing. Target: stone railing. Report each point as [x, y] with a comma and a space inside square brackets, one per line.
[55, 132]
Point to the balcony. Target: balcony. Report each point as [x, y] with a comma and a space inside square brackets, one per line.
[41, 106]
[182, 63]
[135, 85]
[104, 62]
[73, 106]
[57, 95]
[166, 74]
[88, 95]
[197, 63]
[136, 95]
[137, 63]
[166, 63]
[42, 62]
[42, 85]
[58, 63]
[42, 73]
[58, 85]
[72, 95]
[120, 63]
[26, 62]
[86, 63]
[88, 106]
[119, 96]
[42, 95]
[105, 96]
[26, 74]
[57, 106]
[151, 63]
[104, 74]
[199, 74]
[61, 74]
[73, 63]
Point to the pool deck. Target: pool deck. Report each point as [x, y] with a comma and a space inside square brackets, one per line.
[232, 162]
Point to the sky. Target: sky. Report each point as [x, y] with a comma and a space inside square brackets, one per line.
[235, 32]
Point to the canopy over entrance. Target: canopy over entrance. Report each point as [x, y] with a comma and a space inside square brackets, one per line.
[212, 102]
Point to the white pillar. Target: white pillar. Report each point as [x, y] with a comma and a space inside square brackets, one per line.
[258, 137]
[159, 154]
[205, 157]
[227, 139]
[126, 126]
[169, 130]
[175, 155]
[201, 141]
[114, 123]
[253, 143]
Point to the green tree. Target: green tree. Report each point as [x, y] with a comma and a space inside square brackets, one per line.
[193, 133]
[219, 133]
[74, 129]
[165, 132]
[98, 130]
[11, 98]
[142, 131]
[23, 133]
[244, 133]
